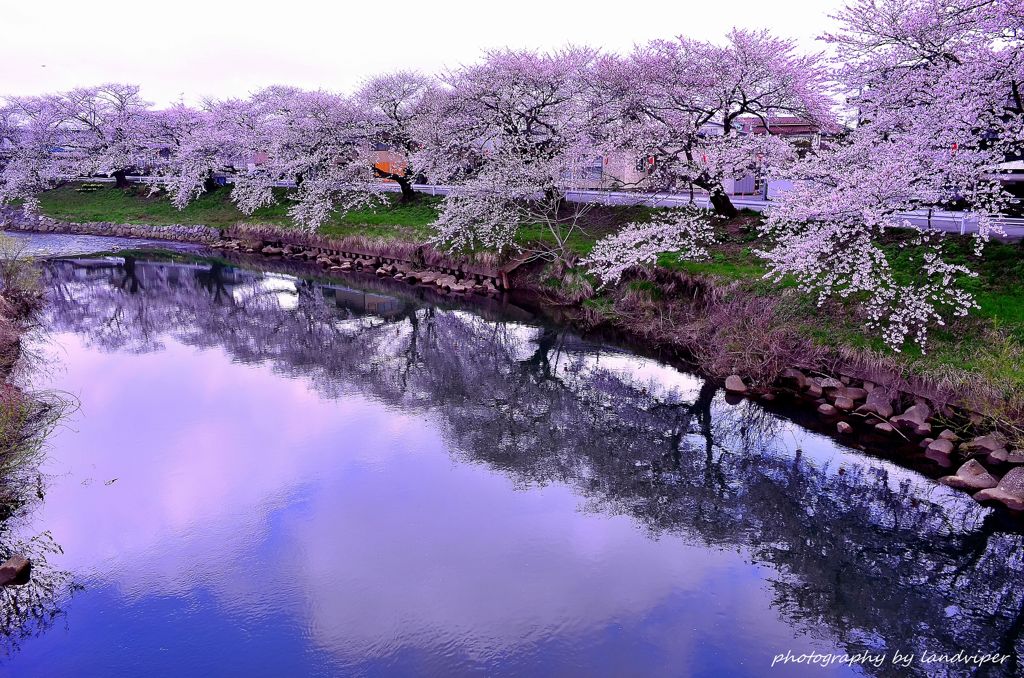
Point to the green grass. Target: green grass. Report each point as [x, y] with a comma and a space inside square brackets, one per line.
[595, 223]
[215, 209]
[722, 265]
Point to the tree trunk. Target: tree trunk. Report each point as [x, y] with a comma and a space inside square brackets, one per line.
[720, 201]
[121, 179]
[209, 183]
[405, 183]
[722, 204]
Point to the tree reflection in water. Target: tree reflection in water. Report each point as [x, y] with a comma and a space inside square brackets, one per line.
[31, 608]
[868, 554]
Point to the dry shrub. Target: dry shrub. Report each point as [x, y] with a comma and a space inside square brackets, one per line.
[564, 283]
[721, 328]
[752, 336]
[19, 280]
[10, 344]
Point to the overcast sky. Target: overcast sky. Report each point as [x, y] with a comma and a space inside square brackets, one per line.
[196, 48]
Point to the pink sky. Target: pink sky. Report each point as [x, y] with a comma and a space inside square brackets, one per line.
[196, 48]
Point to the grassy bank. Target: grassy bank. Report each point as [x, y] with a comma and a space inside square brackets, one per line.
[987, 345]
[985, 349]
[25, 417]
[137, 206]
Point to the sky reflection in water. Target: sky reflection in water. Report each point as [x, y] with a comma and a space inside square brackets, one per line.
[267, 480]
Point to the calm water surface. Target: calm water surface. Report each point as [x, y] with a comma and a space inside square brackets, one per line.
[270, 476]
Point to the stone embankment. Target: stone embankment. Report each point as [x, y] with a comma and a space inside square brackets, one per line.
[408, 262]
[14, 219]
[988, 466]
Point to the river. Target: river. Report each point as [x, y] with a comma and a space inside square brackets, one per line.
[275, 475]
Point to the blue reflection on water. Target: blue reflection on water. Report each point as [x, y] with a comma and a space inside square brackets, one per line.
[266, 479]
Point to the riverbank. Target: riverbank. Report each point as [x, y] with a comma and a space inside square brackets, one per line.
[25, 418]
[960, 404]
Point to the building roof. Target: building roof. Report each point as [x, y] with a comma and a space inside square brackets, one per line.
[781, 126]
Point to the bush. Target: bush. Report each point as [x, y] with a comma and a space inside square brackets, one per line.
[19, 279]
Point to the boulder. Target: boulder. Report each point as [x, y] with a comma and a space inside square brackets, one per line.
[941, 458]
[15, 570]
[844, 428]
[984, 444]
[913, 417]
[924, 429]
[814, 390]
[879, 401]
[428, 277]
[1009, 491]
[827, 410]
[828, 383]
[941, 446]
[854, 393]
[1000, 456]
[271, 250]
[844, 403]
[949, 435]
[734, 384]
[884, 427]
[971, 476]
[445, 281]
[1015, 457]
[794, 378]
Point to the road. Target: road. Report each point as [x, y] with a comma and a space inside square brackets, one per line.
[950, 222]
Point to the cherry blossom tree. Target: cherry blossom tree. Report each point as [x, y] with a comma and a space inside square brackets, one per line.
[514, 134]
[82, 132]
[103, 130]
[192, 150]
[683, 101]
[318, 140]
[394, 105]
[933, 87]
[29, 133]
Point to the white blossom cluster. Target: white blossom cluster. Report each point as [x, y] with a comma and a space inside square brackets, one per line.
[686, 232]
[934, 89]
